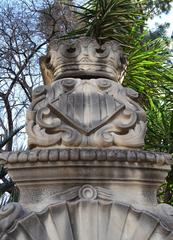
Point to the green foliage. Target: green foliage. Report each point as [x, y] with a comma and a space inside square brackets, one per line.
[149, 68]
[158, 6]
[160, 32]
[108, 20]
[148, 71]
[160, 129]
[165, 192]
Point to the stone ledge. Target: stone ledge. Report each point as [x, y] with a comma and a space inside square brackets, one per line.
[88, 154]
[43, 172]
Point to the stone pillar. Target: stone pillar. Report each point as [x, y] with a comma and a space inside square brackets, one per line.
[85, 175]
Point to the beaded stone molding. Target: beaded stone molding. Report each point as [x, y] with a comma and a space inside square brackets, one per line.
[90, 154]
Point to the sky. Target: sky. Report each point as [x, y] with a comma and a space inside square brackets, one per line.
[162, 19]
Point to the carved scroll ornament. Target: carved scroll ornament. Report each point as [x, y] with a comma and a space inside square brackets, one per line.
[74, 112]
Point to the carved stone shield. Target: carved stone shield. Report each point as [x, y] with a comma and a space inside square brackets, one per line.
[86, 108]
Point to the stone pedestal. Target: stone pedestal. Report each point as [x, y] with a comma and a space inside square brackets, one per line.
[85, 175]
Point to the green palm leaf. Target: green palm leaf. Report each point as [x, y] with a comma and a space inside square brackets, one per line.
[108, 19]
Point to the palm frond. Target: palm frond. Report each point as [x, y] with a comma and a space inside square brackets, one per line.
[109, 19]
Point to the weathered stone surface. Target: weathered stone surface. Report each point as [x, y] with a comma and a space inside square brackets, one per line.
[8, 215]
[81, 174]
[76, 112]
[89, 217]
[86, 154]
[42, 173]
[85, 58]
[83, 103]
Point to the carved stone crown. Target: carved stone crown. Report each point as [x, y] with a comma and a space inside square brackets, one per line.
[85, 58]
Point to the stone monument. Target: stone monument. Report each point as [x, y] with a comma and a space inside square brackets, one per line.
[85, 175]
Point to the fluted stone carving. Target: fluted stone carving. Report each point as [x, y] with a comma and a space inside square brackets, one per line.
[87, 217]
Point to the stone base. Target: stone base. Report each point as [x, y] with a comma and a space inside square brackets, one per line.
[133, 176]
[88, 214]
